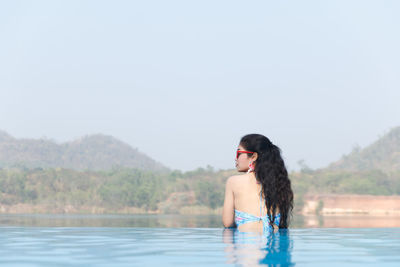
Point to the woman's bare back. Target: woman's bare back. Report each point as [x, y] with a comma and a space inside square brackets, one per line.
[246, 193]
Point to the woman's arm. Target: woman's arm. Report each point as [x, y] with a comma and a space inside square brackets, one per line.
[228, 212]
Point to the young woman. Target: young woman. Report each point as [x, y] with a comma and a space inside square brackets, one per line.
[262, 198]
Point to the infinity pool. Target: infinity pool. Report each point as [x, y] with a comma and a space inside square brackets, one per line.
[131, 246]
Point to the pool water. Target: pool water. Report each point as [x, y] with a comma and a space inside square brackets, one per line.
[133, 246]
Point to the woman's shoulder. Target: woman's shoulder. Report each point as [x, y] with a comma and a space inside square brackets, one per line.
[235, 179]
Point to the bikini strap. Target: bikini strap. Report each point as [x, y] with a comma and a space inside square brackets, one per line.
[261, 204]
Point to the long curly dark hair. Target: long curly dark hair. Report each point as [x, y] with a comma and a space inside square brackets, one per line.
[271, 172]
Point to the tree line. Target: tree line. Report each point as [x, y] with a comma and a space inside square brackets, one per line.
[150, 191]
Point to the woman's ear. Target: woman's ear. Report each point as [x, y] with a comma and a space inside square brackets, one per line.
[255, 156]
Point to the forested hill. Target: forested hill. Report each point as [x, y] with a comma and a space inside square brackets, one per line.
[93, 152]
[374, 170]
[384, 155]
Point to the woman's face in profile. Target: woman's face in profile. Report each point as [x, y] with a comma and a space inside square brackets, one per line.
[242, 161]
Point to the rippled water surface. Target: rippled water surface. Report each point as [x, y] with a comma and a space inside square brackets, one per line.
[134, 246]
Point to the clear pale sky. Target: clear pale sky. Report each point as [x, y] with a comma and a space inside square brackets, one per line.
[182, 81]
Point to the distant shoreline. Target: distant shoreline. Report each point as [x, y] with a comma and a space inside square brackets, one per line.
[322, 205]
[351, 204]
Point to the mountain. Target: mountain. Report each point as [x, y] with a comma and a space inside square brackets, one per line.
[373, 170]
[92, 152]
[384, 155]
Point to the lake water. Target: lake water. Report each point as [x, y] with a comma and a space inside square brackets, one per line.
[105, 240]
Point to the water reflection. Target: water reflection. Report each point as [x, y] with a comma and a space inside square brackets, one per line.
[81, 220]
[349, 221]
[251, 249]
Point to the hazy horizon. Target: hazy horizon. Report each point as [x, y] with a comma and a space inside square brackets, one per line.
[184, 81]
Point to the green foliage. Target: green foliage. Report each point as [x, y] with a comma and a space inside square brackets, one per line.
[124, 187]
[319, 208]
[373, 182]
[208, 194]
[132, 188]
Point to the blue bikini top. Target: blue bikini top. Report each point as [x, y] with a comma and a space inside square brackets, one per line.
[242, 217]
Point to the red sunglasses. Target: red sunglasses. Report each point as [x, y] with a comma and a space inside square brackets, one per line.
[238, 152]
